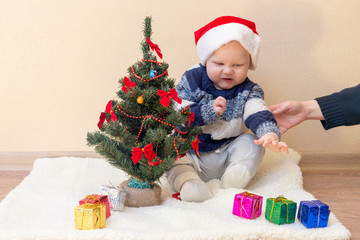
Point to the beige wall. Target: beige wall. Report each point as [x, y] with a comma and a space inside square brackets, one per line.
[60, 61]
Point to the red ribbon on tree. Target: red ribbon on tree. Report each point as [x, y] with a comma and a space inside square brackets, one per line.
[191, 118]
[102, 117]
[165, 97]
[128, 85]
[148, 151]
[154, 47]
[195, 145]
[154, 163]
[101, 120]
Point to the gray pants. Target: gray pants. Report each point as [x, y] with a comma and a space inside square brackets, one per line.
[242, 153]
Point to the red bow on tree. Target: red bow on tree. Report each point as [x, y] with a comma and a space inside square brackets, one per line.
[191, 118]
[195, 145]
[148, 151]
[154, 47]
[102, 117]
[165, 97]
[128, 85]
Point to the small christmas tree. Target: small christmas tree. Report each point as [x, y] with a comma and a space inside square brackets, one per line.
[143, 134]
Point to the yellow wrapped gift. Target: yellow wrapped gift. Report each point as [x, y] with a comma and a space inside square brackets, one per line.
[90, 216]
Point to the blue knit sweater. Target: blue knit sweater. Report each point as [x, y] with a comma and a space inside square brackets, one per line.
[245, 108]
[341, 108]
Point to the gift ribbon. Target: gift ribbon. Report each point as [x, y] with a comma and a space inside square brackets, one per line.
[110, 186]
[318, 219]
[96, 212]
[93, 207]
[246, 194]
[97, 215]
[256, 207]
[281, 199]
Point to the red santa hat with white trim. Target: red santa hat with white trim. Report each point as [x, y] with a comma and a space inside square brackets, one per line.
[224, 29]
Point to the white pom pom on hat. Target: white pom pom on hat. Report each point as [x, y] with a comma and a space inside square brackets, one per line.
[223, 30]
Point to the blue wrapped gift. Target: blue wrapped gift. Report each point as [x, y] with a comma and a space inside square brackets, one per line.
[313, 214]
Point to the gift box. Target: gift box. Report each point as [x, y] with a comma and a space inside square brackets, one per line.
[102, 199]
[280, 210]
[313, 214]
[115, 195]
[90, 216]
[247, 205]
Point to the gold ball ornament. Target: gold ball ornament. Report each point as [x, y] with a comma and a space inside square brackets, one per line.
[140, 100]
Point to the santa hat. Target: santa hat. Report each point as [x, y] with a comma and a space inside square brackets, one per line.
[223, 30]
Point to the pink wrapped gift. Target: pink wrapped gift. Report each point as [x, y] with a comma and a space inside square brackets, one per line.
[102, 199]
[247, 205]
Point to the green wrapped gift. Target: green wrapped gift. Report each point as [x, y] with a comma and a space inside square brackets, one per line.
[280, 210]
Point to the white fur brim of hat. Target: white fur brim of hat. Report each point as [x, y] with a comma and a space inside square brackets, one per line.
[223, 34]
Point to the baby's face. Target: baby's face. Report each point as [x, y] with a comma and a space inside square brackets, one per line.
[228, 66]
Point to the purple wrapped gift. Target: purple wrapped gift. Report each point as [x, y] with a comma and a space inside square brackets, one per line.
[247, 205]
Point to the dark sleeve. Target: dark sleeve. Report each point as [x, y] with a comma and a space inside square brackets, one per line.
[341, 108]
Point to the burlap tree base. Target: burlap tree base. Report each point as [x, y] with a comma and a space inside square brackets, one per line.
[141, 197]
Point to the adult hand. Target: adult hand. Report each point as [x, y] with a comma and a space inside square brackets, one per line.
[291, 113]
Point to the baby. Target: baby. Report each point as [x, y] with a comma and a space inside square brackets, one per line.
[225, 103]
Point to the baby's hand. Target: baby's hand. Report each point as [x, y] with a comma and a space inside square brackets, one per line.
[219, 105]
[271, 141]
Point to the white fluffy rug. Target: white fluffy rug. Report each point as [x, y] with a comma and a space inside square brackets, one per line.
[42, 206]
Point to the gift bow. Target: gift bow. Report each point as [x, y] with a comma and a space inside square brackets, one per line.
[165, 97]
[148, 151]
[195, 145]
[102, 117]
[247, 194]
[128, 85]
[92, 197]
[154, 47]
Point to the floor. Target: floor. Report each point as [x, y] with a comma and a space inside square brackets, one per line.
[333, 179]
